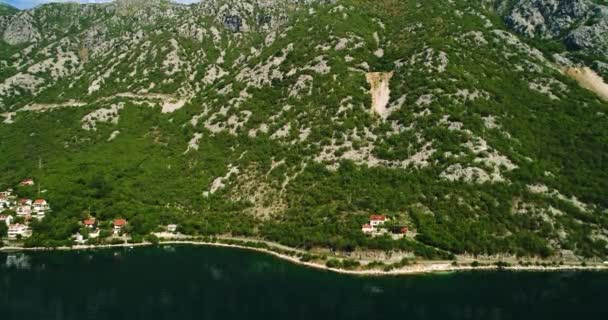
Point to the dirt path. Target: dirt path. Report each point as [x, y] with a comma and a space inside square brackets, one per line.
[589, 80]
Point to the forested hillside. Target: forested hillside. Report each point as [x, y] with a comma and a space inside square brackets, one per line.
[294, 121]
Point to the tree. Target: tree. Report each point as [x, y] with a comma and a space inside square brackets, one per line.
[3, 230]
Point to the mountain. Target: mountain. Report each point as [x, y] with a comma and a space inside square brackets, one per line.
[6, 9]
[580, 25]
[470, 122]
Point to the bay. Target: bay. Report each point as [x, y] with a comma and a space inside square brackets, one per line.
[186, 282]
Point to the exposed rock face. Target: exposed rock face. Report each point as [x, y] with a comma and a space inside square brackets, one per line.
[380, 91]
[20, 30]
[592, 37]
[233, 23]
[580, 24]
[546, 18]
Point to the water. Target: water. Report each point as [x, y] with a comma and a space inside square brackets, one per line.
[183, 282]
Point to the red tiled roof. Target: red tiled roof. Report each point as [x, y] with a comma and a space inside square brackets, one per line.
[366, 226]
[377, 217]
[39, 201]
[404, 230]
[24, 200]
[89, 222]
[120, 222]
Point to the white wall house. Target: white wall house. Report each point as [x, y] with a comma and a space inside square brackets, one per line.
[40, 206]
[366, 228]
[6, 219]
[377, 220]
[3, 202]
[16, 230]
[27, 182]
[119, 224]
[24, 210]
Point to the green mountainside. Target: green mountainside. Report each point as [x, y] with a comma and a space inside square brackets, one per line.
[293, 121]
[6, 9]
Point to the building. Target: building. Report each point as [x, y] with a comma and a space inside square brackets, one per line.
[89, 223]
[172, 228]
[367, 228]
[377, 220]
[18, 230]
[27, 182]
[6, 219]
[6, 201]
[40, 206]
[119, 224]
[24, 210]
[94, 233]
[78, 238]
[6, 194]
[24, 202]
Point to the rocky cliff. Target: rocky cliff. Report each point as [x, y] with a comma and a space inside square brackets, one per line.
[581, 25]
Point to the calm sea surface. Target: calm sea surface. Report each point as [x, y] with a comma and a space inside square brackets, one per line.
[182, 282]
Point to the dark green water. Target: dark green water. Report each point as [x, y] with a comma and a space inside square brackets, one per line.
[214, 283]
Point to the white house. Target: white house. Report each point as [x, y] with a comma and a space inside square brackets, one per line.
[94, 234]
[90, 223]
[18, 230]
[171, 228]
[367, 228]
[377, 220]
[27, 182]
[78, 238]
[119, 225]
[24, 210]
[40, 206]
[6, 219]
[6, 201]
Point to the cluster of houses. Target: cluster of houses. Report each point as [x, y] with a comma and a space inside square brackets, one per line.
[24, 211]
[376, 226]
[118, 226]
[17, 213]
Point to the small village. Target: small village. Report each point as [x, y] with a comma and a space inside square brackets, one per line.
[18, 213]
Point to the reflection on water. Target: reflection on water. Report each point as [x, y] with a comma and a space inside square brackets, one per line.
[180, 282]
[18, 260]
[170, 249]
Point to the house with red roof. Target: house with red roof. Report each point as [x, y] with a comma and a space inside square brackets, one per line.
[89, 223]
[367, 228]
[377, 219]
[40, 206]
[119, 224]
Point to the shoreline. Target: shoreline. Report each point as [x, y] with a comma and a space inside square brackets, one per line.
[421, 267]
